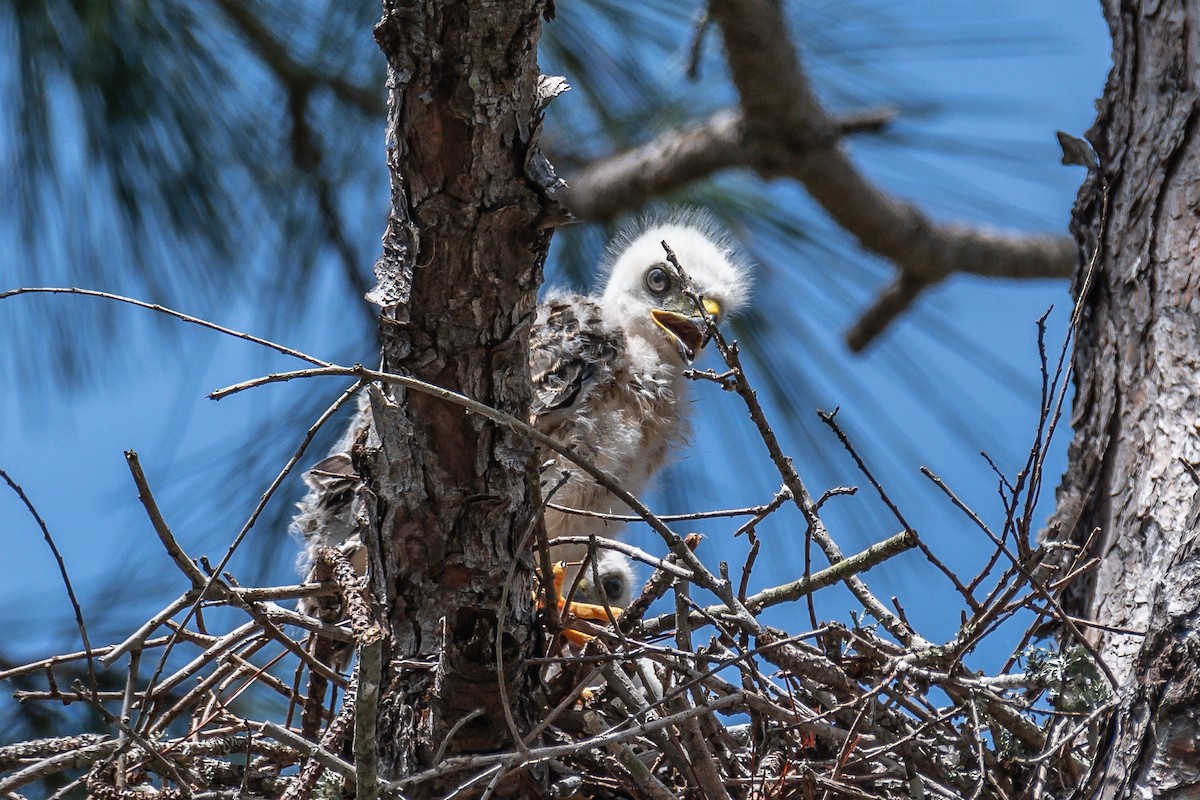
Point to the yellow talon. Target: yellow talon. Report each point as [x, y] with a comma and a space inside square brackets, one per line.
[578, 609]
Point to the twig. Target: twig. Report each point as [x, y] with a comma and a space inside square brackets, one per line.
[169, 770]
[127, 714]
[782, 496]
[666, 565]
[287, 351]
[326, 758]
[675, 542]
[66, 658]
[656, 586]
[859, 562]
[791, 479]
[640, 707]
[170, 544]
[62, 566]
[538, 754]
[332, 739]
[829, 419]
[138, 639]
[645, 778]
[748, 511]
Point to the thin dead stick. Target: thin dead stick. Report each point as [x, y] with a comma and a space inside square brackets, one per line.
[782, 496]
[859, 562]
[634, 699]
[203, 687]
[656, 586]
[260, 675]
[169, 543]
[546, 585]
[208, 656]
[856, 564]
[893, 680]
[109, 655]
[288, 592]
[331, 740]
[169, 770]
[327, 759]
[704, 761]
[137, 639]
[272, 630]
[64, 696]
[66, 658]
[638, 705]
[829, 418]
[130, 694]
[287, 351]
[287, 616]
[534, 527]
[548, 719]
[642, 775]
[748, 511]
[1029, 574]
[633, 552]
[62, 569]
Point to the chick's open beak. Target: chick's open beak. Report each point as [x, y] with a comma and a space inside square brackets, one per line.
[688, 334]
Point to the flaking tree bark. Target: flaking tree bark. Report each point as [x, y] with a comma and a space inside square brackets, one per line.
[1131, 493]
[461, 264]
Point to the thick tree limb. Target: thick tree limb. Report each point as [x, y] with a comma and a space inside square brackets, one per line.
[614, 184]
[782, 130]
[792, 134]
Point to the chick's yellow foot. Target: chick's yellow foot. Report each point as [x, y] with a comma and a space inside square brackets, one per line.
[579, 609]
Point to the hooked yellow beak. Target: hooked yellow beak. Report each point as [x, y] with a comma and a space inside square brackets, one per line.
[688, 334]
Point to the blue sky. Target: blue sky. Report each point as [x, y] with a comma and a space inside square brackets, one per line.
[956, 375]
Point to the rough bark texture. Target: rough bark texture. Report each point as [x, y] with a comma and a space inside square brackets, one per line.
[461, 263]
[1131, 476]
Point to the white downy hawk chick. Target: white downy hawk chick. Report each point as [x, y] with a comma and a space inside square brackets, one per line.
[616, 581]
[607, 377]
[607, 371]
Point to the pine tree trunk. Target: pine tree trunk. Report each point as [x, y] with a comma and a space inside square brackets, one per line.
[1132, 472]
[461, 263]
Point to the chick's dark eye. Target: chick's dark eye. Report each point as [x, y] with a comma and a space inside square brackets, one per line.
[657, 280]
[613, 587]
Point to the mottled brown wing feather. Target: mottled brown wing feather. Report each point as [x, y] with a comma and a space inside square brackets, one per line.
[571, 351]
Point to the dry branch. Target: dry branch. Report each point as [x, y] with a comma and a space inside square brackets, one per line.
[781, 129]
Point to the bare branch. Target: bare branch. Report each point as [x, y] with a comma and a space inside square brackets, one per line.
[81, 751]
[189, 569]
[859, 562]
[625, 180]
[62, 571]
[612, 185]
[188, 318]
[792, 134]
